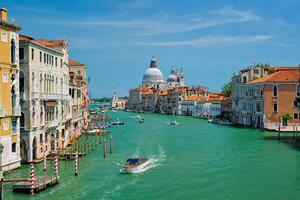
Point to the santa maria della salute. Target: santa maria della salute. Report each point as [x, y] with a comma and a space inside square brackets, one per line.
[157, 95]
[153, 77]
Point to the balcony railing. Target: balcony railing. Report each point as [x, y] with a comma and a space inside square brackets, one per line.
[45, 96]
[16, 111]
[2, 114]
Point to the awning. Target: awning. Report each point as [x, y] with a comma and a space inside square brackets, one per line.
[50, 103]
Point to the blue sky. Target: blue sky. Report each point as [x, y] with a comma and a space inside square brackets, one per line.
[211, 40]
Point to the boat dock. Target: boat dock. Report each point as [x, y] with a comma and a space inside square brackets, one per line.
[41, 183]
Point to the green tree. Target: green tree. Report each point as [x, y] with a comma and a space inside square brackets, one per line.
[226, 89]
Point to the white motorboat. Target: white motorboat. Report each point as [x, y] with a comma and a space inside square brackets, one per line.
[136, 165]
[173, 122]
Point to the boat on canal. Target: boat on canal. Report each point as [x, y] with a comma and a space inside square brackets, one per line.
[173, 122]
[141, 120]
[136, 165]
[117, 123]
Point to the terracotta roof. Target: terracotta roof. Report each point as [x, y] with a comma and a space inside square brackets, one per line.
[75, 63]
[278, 77]
[195, 98]
[25, 38]
[51, 43]
[47, 43]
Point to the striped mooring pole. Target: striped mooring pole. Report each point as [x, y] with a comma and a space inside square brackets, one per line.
[32, 179]
[104, 148]
[56, 166]
[110, 145]
[45, 161]
[76, 163]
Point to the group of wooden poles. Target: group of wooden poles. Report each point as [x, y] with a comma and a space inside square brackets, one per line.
[77, 150]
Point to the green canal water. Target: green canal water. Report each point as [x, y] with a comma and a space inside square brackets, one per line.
[192, 160]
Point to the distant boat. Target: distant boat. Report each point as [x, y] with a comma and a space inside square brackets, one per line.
[173, 122]
[141, 120]
[118, 123]
[135, 165]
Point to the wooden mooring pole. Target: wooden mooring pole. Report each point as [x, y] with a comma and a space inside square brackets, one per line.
[104, 148]
[110, 145]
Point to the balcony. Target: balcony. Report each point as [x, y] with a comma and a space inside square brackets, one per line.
[45, 96]
[2, 114]
[76, 118]
[16, 111]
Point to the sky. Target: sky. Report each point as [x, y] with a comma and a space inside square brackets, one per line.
[210, 40]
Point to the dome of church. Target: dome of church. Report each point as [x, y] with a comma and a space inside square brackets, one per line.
[153, 74]
[172, 78]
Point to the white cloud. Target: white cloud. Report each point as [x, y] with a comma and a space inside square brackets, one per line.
[212, 40]
[174, 25]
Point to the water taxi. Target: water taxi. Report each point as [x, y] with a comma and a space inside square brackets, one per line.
[135, 165]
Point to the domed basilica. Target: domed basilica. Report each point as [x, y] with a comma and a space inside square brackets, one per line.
[153, 77]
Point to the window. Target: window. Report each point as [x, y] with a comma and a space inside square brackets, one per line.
[255, 71]
[244, 79]
[13, 51]
[79, 72]
[55, 61]
[32, 54]
[41, 56]
[41, 138]
[61, 63]
[296, 116]
[45, 58]
[4, 77]
[298, 90]
[21, 53]
[5, 125]
[14, 127]
[13, 147]
[275, 90]
[4, 36]
[295, 103]
[275, 107]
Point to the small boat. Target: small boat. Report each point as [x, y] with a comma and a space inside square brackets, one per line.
[117, 123]
[141, 120]
[212, 121]
[135, 165]
[173, 122]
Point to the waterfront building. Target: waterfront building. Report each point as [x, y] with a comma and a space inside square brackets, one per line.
[209, 107]
[275, 97]
[117, 103]
[135, 98]
[10, 110]
[44, 89]
[77, 119]
[153, 77]
[189, 104]
[247, 110]
[149, 101]
[226, 108]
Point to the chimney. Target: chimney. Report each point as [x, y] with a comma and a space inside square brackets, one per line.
[3, 14]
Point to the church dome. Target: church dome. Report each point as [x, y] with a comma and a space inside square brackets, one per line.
[172, 78]
[153, 74]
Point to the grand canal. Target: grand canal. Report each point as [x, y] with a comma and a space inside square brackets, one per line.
[192, 160]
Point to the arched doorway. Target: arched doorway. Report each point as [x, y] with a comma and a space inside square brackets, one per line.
[34, 149]
[23, 150]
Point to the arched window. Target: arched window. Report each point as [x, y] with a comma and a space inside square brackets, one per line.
[41, 138]
[13, 51]
[21, 82]
[22, 121]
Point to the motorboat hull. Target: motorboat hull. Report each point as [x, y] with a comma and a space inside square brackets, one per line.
[138, 169]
